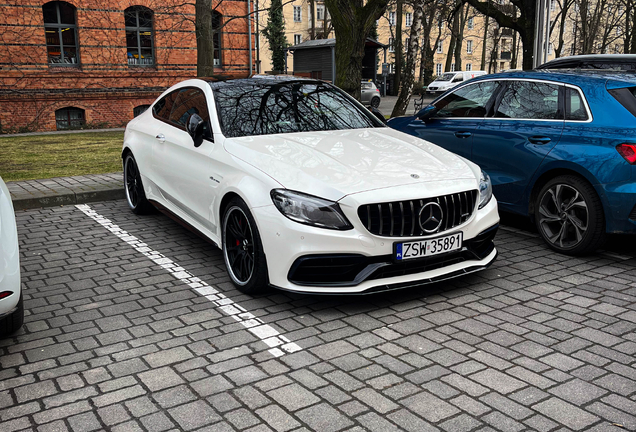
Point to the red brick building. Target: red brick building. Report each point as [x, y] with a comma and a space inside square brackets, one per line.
[98, 63]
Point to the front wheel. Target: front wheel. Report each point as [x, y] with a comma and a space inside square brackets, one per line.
[243, 250]
[135, 194]
[12, 323]
[375, 102]
[569, 216]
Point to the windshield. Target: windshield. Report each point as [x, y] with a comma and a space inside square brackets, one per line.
[255, 108]
[445, 77]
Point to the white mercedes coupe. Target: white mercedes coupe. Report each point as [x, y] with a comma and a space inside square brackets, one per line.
[306, 190]
[11, 303]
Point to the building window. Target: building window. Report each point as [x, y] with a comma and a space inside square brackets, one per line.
[298, 14]
[552, 5]
[61, 34]
[297, 39]
[440, 47]
[392, 18]
[139, 36]
[408, 19]
[438, 69]
[391, 45]
[469, 46]
[619, 30]
[138, 110]
[392, 68]
[320, 12]
[469, 66]
[617, 49]
[471, 23]
[452, 67]
[550, 48]
[69, 118]
[217, 22]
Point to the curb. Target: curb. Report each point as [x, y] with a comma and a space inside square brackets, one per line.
[70, 198]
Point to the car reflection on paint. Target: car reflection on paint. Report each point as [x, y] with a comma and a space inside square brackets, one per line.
[305, 190]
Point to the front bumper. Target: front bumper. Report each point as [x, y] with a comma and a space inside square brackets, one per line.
[366, 259]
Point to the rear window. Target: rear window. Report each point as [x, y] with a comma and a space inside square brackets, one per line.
[627, 97]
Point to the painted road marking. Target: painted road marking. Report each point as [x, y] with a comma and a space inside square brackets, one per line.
[279, 344]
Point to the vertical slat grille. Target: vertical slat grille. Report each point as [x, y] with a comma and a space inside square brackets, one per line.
[402, 218]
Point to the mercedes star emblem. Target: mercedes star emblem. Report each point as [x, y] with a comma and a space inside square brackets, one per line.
[431, 217]
[415, 176]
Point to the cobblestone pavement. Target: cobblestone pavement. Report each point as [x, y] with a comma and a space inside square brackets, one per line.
[114, 341]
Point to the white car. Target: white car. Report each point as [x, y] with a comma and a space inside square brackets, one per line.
[305, 190]
[448, 80]
[11, 304]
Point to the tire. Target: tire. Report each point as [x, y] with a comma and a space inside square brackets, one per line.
[375, 102]
[242, 249]
[133, 187]
[12, 323]
[569, 216]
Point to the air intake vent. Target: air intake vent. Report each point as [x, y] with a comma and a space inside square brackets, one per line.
[409, 218]
[632, 215]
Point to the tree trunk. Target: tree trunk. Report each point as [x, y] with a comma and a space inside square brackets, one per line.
[459, 42]
[406, 89]
[399, 48]
[483, 44]
[205, 41]
[513, 57]
[312, 13]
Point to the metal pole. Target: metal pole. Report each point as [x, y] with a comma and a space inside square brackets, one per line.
[538, 34]
[333, 65]
[258, 41]
[547, 30]
[249, 34]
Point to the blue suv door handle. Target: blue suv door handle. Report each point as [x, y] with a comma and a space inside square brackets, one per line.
[463, 134]
[539, 139]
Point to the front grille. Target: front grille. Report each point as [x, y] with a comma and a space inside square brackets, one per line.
[402, 218]
[432, 88]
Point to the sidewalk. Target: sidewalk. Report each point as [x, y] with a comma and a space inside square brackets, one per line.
[30, 194]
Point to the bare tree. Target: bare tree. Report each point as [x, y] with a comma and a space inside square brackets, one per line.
[406, 88]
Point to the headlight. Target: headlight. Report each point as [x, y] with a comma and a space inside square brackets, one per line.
[485, 189]
[310, 210]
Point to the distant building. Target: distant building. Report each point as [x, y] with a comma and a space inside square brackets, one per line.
[90, 62]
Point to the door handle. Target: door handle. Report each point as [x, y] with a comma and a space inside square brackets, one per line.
[463, 134]
[161, 138]
[539, 139]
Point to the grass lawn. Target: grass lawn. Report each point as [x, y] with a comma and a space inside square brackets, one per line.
[63, 155]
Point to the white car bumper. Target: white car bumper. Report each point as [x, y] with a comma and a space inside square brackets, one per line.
[9, 255]
[285, 242]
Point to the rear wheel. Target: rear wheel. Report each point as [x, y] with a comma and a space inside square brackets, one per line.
[375, 102]
[135, 194]
[12, 323]
[569, 216]
[243, 250]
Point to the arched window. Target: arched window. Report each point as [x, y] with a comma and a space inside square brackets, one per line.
[140, 109]
[69, 118]
[217, 22]
[60, 30]
[139, 36]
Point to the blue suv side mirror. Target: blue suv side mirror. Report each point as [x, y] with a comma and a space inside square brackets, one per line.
[426, 113]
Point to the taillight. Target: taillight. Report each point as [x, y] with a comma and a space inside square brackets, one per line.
[628, 151]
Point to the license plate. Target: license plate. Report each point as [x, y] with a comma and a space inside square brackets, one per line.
[429, 247]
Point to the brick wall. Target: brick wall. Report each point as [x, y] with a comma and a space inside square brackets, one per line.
[103, 83]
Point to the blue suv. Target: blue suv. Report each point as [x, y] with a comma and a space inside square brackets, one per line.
[559, 147]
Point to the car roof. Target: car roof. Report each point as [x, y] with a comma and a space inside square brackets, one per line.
[580, 78]
[590, 58]
[263, 80]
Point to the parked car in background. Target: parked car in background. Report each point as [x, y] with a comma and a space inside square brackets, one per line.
[607, 62]
[305, 189]
[370, 94]
[559, 147]
[11, 303]
[449, 80]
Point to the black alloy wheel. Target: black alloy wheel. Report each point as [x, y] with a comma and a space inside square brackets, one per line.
[242, 249]
[569, 216]
[375, 102]
[135, 194]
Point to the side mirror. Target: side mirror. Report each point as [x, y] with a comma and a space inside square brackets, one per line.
[426, 113]
[376, 112]
[195, 129]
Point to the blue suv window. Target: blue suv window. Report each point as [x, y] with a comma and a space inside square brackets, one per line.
[468, 101]
[530, 100]
[574, 105]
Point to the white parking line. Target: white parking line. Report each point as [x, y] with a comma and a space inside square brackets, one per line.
[279, 344]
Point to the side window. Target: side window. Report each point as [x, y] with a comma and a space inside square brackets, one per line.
[468, 101]
[458, 78]
[190, 101]
[162, 108]
[530, 100]
[574, 106]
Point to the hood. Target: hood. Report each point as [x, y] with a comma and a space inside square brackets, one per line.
[333, 164]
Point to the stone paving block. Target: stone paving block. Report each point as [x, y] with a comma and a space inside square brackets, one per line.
[374, 423]
[497, 381]
[617, 384]
[293, 397]
[506, 406]
[375, 400]
[566, 414]
[193, 415]
[324, 418]
[611, 414]
[430, 407]
[85, 422]
[461, 423]
[578, 392]
[277, 418]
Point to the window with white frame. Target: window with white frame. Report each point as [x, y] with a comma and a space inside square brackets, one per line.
[469, 46]
[298, 14]
[438, 69]
[469, 66]
[392, 68]
[471, 23]
[550, 48]
[392, 18]
[408, 19]
[617, 49]
[391, 45]
[297, 39]
[308, 17]
[320, 12]
[552, 5]
[440, 47]
[452, 67]
[619, 30]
